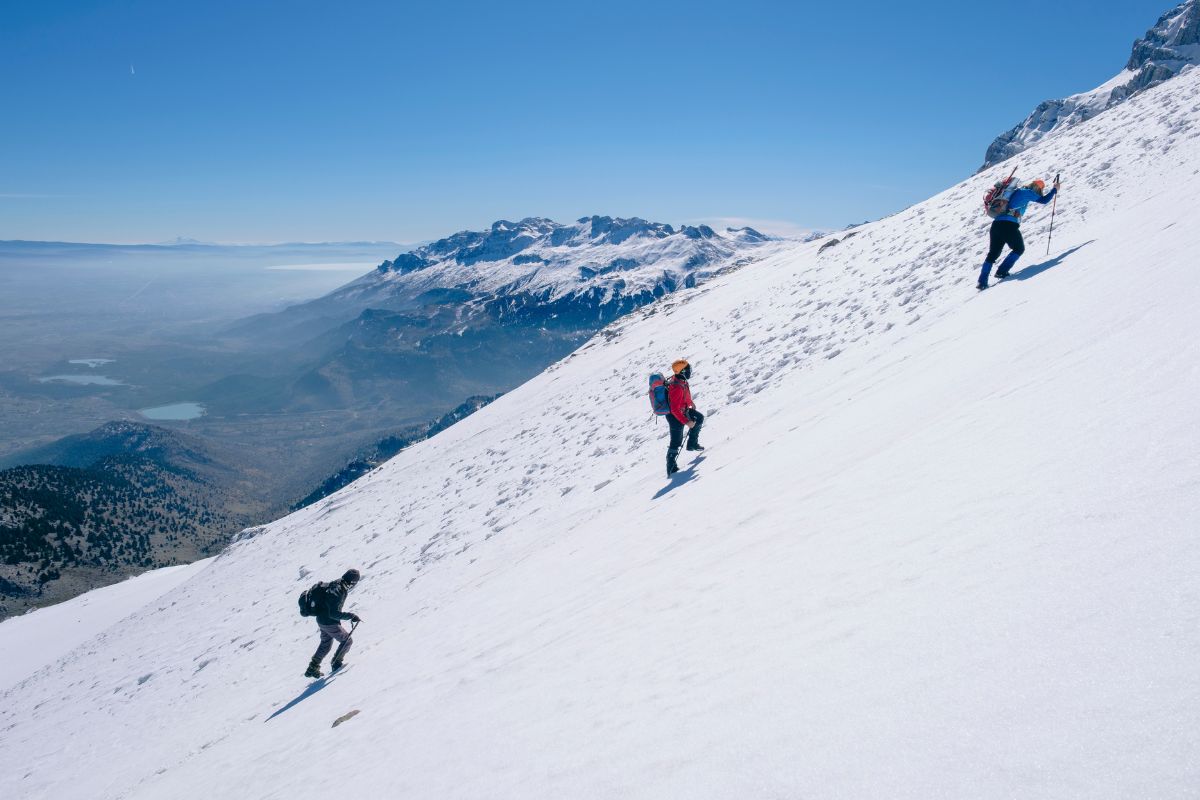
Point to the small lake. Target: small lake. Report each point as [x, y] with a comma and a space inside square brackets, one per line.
[83, 380]
[176, 411]
[91, 362]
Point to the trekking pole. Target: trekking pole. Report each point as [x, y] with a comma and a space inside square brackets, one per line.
[1053, 208]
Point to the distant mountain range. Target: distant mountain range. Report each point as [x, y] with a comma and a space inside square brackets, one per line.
[475, 313]
[515, 270]
[1171, 46]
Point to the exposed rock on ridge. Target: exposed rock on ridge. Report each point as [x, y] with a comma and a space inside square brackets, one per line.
[1171, 46]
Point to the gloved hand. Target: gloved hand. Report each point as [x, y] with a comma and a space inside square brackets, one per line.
[355, 618]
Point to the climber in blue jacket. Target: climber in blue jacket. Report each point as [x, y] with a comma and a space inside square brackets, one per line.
[1006, 229]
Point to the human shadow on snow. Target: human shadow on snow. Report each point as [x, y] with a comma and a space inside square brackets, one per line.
[1034, 270]
[680, 478]
[313, 688]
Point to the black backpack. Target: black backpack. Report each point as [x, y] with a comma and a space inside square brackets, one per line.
[312, 599]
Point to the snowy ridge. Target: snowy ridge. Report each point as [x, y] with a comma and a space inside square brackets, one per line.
[603, 257]
[1172, 45]
[942, 544]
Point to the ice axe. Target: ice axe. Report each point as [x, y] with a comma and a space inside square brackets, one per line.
[1053, 208]
[353, 625]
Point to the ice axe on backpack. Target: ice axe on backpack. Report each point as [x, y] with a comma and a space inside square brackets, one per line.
[1053, 208]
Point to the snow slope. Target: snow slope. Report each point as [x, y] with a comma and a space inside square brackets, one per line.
[43, 636]
[942, 544]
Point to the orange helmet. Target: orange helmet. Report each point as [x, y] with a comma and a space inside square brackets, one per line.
[1039, 185]
[679, 366]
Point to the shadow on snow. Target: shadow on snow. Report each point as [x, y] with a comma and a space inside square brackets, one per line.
[680, 478]
[1034, 270]
[313, 688]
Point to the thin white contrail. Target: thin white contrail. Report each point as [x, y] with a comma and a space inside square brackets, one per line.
[139, 291]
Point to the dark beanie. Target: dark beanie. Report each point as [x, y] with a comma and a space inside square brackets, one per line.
[351, 576]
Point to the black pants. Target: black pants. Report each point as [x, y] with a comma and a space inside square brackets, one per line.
[1004, 232]
[677, 431]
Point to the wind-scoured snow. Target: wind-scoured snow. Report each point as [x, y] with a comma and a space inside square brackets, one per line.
[941, 544]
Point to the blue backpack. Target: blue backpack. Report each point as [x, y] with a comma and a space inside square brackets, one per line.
[659, 403]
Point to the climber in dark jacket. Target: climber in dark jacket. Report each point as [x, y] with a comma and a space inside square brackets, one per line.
[683, 414]
[1006, 229]
[329, 621]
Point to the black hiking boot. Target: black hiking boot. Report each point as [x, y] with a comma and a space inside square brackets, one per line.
[981, 286]
[672, 467]
[1001, 276]
[336, 665]
[314, 670]
[694, 446]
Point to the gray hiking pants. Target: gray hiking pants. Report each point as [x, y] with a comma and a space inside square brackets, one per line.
[328, 634]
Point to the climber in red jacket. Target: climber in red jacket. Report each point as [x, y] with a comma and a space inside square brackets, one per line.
[683, 414]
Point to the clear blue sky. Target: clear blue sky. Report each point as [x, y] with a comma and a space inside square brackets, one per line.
[143, 120]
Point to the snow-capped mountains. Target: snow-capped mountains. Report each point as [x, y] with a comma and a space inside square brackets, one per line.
[480, 311]
[601, 257]
[1171, 46]
[942, 544]
[540, 270]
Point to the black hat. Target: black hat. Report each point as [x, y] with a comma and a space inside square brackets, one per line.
[351, 577]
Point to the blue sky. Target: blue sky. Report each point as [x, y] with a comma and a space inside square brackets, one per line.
[143, 120]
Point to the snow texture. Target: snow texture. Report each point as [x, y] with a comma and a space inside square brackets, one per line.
[43, 636]
[1172, 45]
[942, 544]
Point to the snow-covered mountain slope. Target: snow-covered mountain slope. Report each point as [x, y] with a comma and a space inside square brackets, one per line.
[41, 637]
[942, 544]
[1169, 47]
[601, 257]
[597, 267]
[479, 312]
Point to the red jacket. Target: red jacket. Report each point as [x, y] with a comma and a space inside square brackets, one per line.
[679, 396]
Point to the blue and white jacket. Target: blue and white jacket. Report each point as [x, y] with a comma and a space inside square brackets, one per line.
[1020, 199]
